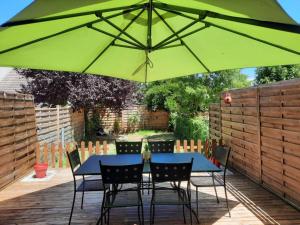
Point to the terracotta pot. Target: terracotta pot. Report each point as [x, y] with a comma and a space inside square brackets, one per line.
[40, 170]
[227, 98]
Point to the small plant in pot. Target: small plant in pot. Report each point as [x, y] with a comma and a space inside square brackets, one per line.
[40, 170]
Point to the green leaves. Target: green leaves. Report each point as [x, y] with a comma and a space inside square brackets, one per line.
[267, 75]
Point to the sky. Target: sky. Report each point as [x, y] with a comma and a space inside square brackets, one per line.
[9, 8]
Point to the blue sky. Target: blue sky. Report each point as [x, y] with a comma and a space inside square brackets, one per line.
[8, 8]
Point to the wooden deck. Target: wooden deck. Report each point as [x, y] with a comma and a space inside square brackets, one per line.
[49, 202]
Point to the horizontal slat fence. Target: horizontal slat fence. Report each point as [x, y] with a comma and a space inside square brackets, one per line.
[158, 120]
[17, 136]
[215, 121]
[59, 124]
[262, 125]
[56, 157]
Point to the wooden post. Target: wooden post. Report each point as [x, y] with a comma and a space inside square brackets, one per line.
[90, 148]
[178, 146]
[53, 155]
[185, 145]
[45, 152]
[97, 150]
[105, 147]
[258, 132]
[192, 146]
[57, 124]
[60, 157]
[199, 146]
[65, 154]
[37, 153]
[82, 149]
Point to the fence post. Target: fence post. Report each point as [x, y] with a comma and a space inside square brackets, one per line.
[192, 146]
[258, 133]
[57, 124]
[185, 145]
[38, 153]
[90, 148]
[105, 147]
[178, 146]
[60, 158]
[53, 155]
[199, 146]
[97, 150]
[45, 153]
[82, 149]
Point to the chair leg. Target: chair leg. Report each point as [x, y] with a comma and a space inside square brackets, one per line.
[215, 189]
[139, 214]
[82, 200]
[183, 211]
[153, 213]
[225, 189]
[197, 203]
[74, 198]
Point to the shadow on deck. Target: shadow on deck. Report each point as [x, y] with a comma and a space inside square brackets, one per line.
[49, 202]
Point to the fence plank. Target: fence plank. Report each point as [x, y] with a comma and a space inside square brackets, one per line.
[90, 148]
[68, 149]
[178, 145]
[38, 153]
[82, 149]
[185, 145]
[53, 148]
[60, 156]
[45, 155]
[199, 146]
[192, 146]
[97, 150]
[105, 147]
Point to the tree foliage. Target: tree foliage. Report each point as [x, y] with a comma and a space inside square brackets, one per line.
[192, 94]
[265, 75]
[79, 90]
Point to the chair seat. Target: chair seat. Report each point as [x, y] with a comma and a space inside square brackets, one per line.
[205, 181]
[123, 198]
[170, 197]
[90, 185]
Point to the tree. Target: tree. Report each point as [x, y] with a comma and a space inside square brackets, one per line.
[265, 75]
[81, 91]
[192, 94]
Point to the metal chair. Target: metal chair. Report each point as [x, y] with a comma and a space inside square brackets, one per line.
[168, 195]
[81, 186]
[161, 146]
[221, 154]
[113, 197]
[129, 147]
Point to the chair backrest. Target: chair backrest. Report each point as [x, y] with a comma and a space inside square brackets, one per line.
[112, 174]
[221, 154]
[132, 147]
[168, 172]
[74, 159]
[161, 146]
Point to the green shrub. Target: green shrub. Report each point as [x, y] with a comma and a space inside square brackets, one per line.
[191, 128]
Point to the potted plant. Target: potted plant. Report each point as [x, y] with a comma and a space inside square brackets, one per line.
[40, 170]
[146, 153]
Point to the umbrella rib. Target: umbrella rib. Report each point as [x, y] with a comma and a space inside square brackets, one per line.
[267, 24]
[112, 42]
[158, 45]
[58, 33]
[187, 47]
[32, 21]
[122, 31]
[236, 32]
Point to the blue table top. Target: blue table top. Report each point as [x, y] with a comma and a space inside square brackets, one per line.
[91, 165]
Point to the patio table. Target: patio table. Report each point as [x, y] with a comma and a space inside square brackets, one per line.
[91, 165]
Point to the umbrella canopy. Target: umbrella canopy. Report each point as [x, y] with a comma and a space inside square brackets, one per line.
[149, 40]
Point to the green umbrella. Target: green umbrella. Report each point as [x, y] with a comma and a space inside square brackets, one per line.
[149, 40]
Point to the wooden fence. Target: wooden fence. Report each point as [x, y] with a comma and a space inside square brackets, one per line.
[262, 126]
[59, 124]
[158, 120]
[17, 136]
[55, 154]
